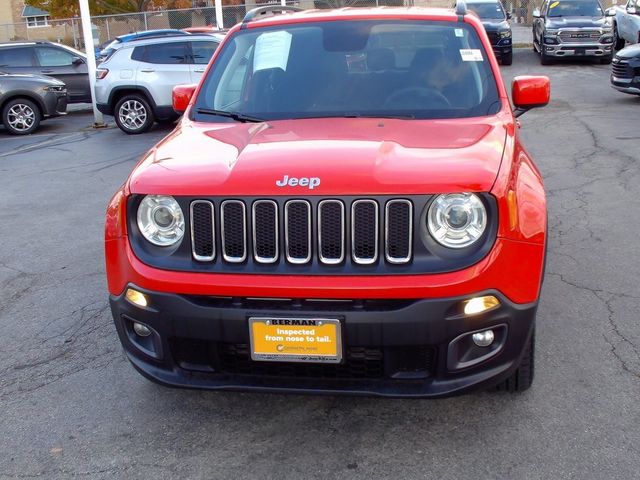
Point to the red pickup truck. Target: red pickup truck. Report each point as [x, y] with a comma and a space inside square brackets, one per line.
[345, 207]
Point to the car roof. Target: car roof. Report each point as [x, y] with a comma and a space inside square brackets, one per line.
[353, 13]
[127, 37]
[169, 39]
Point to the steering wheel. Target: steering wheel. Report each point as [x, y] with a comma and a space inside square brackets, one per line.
[417, 97]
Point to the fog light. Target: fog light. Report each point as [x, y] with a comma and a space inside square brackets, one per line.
[480, 304]
[144, 331]
[136, 297]
[483, 339]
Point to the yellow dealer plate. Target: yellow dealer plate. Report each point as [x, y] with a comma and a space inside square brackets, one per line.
[316, 340]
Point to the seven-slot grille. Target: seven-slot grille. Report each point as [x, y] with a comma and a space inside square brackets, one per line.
[620, 68]
[333, 231]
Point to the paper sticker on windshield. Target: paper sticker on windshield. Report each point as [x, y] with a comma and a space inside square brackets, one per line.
[554, 4]
[272, 51]
[471, 55]
[459, 32]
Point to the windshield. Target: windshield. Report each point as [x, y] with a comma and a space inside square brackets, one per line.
[383, 68]
[489, 11]
[574, 8]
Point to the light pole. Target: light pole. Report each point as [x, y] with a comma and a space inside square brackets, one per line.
[85, 16]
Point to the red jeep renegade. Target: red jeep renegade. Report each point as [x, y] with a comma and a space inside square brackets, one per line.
[345, 207]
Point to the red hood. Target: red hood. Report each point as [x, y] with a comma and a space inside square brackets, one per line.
[349, 156]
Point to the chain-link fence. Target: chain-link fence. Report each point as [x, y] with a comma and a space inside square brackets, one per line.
[107, 27]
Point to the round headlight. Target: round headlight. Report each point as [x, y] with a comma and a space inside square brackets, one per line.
[160, 220]
[457, 220]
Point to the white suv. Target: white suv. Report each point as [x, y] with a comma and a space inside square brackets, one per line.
[135, 83]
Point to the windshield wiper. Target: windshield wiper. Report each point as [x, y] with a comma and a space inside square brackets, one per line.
[238, 117]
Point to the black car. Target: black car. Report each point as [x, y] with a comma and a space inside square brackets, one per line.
[572, 28]
[51, 59]
[625, 70]
[496, 23]
[25, 100]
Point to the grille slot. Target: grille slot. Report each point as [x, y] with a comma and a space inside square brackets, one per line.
[265, 231]
[398, 231]
[202, 230]
[233, 219]
[364, 231]
[297, 231]
[331, 232]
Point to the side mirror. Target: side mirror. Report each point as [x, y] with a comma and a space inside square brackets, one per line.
[536, 13]
[610, 12]
[530, 92]
[77, 61]
[631, 10]
[182, 96]
[509, 16]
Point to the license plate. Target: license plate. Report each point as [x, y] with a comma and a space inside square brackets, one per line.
[581, 51]
[317, 340]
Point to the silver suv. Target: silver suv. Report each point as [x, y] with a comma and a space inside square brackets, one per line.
[135, 83]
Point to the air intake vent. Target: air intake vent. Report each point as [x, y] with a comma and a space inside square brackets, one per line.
[265, 231]
[233, 217]
[298, 231]
[398, 231]
[331, 231]
[364, 231]
[202, 230]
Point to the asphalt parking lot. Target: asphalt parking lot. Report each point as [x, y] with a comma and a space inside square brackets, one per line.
[72, 406]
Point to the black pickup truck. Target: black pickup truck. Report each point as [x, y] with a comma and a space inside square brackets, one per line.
[570, 28]
[496, 23]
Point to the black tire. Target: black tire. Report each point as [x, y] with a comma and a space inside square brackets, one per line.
[21, 116]
[522, 378]
[507, 58]
[618, 43]
[606, 60]
[133, 114]
[544, 58]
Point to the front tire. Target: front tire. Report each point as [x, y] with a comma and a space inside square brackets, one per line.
[522, 378]
[618, 43]
[133, 114]
[21, 116]
[544, 58]
[507, 58]
[606, 60]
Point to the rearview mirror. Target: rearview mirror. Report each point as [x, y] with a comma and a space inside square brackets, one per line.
[182, 97]
[536, 13]
[530, 92]
[77, 61]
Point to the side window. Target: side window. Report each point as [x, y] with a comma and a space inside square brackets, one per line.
[203, 51]
[16, 57]
[53, 57]
[138, 54]
[175, 53]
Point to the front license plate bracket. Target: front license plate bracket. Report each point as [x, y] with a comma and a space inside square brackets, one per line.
[311, 340]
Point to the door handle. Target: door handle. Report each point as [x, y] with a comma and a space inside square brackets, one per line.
[147, 70]
[46, 71]
[199, 70]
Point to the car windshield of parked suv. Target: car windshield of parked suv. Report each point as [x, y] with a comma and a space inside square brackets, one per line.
[574, 8]
[381, 68]
[488, 11]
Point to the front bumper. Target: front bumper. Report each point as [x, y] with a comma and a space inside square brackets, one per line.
[391, 348]
[578, 50]
[55, 103]
[626, 85]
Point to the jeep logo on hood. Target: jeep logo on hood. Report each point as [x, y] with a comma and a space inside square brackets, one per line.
[309, 182]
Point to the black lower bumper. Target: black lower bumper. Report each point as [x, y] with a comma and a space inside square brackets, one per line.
[626, 85]
[399, 348]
